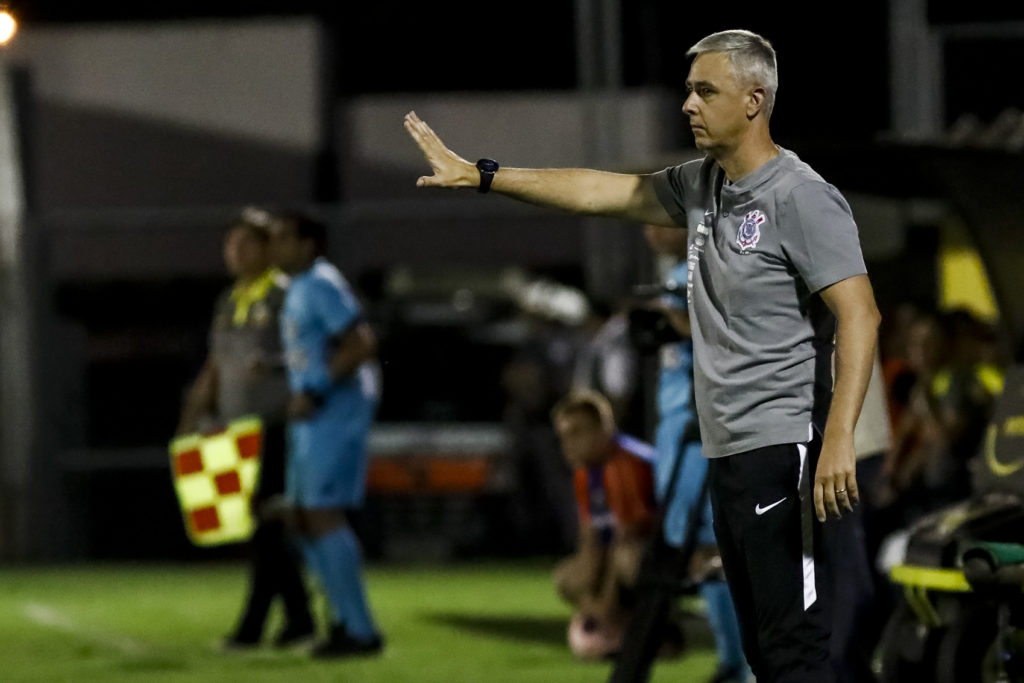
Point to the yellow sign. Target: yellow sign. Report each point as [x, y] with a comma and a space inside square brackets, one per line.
[963, 282]
[214, 477]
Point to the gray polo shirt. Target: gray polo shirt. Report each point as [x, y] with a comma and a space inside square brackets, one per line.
[759, 251]
[246, 345]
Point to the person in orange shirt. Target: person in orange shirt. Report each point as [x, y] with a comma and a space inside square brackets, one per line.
[613, 479]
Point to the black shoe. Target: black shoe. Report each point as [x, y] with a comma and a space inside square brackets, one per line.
[292, 636]
[341, 644]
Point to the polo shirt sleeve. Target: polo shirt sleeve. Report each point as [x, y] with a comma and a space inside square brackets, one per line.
[670, 188]
[819, 235]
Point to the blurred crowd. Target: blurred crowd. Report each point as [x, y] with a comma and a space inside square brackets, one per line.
[943, 371]
[941, 374]
[589, 347]
[938, 375]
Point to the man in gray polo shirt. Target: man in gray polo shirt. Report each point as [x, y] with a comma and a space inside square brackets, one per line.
[775, 274]
[244, 375]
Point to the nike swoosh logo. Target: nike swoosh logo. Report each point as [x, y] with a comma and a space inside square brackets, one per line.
[761, 510]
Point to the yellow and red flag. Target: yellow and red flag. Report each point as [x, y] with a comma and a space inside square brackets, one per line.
[215, 476]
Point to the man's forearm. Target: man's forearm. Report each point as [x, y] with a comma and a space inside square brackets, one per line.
[584, 191]
[357, 345]
[857, 318]
[576, 190]
[856, 337]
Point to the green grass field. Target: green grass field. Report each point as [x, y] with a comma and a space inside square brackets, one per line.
[465, 623]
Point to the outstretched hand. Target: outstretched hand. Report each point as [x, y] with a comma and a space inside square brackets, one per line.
[450, 170]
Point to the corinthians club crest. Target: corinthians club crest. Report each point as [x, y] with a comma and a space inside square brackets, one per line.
[749, 233]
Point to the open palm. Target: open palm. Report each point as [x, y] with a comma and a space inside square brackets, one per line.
[450, 170]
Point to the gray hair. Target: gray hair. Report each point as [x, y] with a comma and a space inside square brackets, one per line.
[752, 58]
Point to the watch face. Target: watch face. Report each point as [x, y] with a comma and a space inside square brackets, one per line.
[487, 165]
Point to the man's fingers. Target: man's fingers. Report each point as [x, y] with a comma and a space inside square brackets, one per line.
[420, 131]
[431, 146]
[844, 497]
[819, 502]
[430, 181]
[830, 499]
[831, 504]
[412, 120]
[846, 491]
[853, 490]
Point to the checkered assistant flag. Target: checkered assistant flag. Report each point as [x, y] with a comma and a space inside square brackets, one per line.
[215, 476]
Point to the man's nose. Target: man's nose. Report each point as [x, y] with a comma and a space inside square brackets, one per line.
[688, 105]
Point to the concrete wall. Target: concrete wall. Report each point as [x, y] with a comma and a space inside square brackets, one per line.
[173, 114]
[610, 129]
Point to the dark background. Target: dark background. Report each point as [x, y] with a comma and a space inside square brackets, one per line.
[834, 102]
[833, 57]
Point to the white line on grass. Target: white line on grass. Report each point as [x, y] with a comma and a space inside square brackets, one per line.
[51, 617]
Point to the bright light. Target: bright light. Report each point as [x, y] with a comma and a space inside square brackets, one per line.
[8, 25]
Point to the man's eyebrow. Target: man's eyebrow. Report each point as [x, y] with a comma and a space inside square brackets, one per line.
[702, 84]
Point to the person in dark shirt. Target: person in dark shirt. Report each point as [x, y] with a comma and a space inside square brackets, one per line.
[244, 375]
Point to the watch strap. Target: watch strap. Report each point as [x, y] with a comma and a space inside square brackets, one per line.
[487, 169]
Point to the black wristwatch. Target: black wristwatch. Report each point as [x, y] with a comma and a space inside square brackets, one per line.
[487, 168]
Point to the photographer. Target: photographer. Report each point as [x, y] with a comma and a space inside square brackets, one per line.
[686, 552]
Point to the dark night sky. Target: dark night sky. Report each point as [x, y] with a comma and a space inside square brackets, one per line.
[833, 56]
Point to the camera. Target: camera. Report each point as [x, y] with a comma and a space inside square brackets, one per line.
[649, 328]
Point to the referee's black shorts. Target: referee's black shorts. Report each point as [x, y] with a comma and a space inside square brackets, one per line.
[773, 553]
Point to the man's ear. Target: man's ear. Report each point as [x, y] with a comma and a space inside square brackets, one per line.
[755, 102]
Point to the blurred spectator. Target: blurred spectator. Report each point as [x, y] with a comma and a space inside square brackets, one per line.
[607, 361]
[534, 378]
[542, 369]
[951, 360]
[613, 479]
[244, 375]
[949, 405]
[915, 432]
[854, 542]
[897, 372]
[688, 537]
[962, 396]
